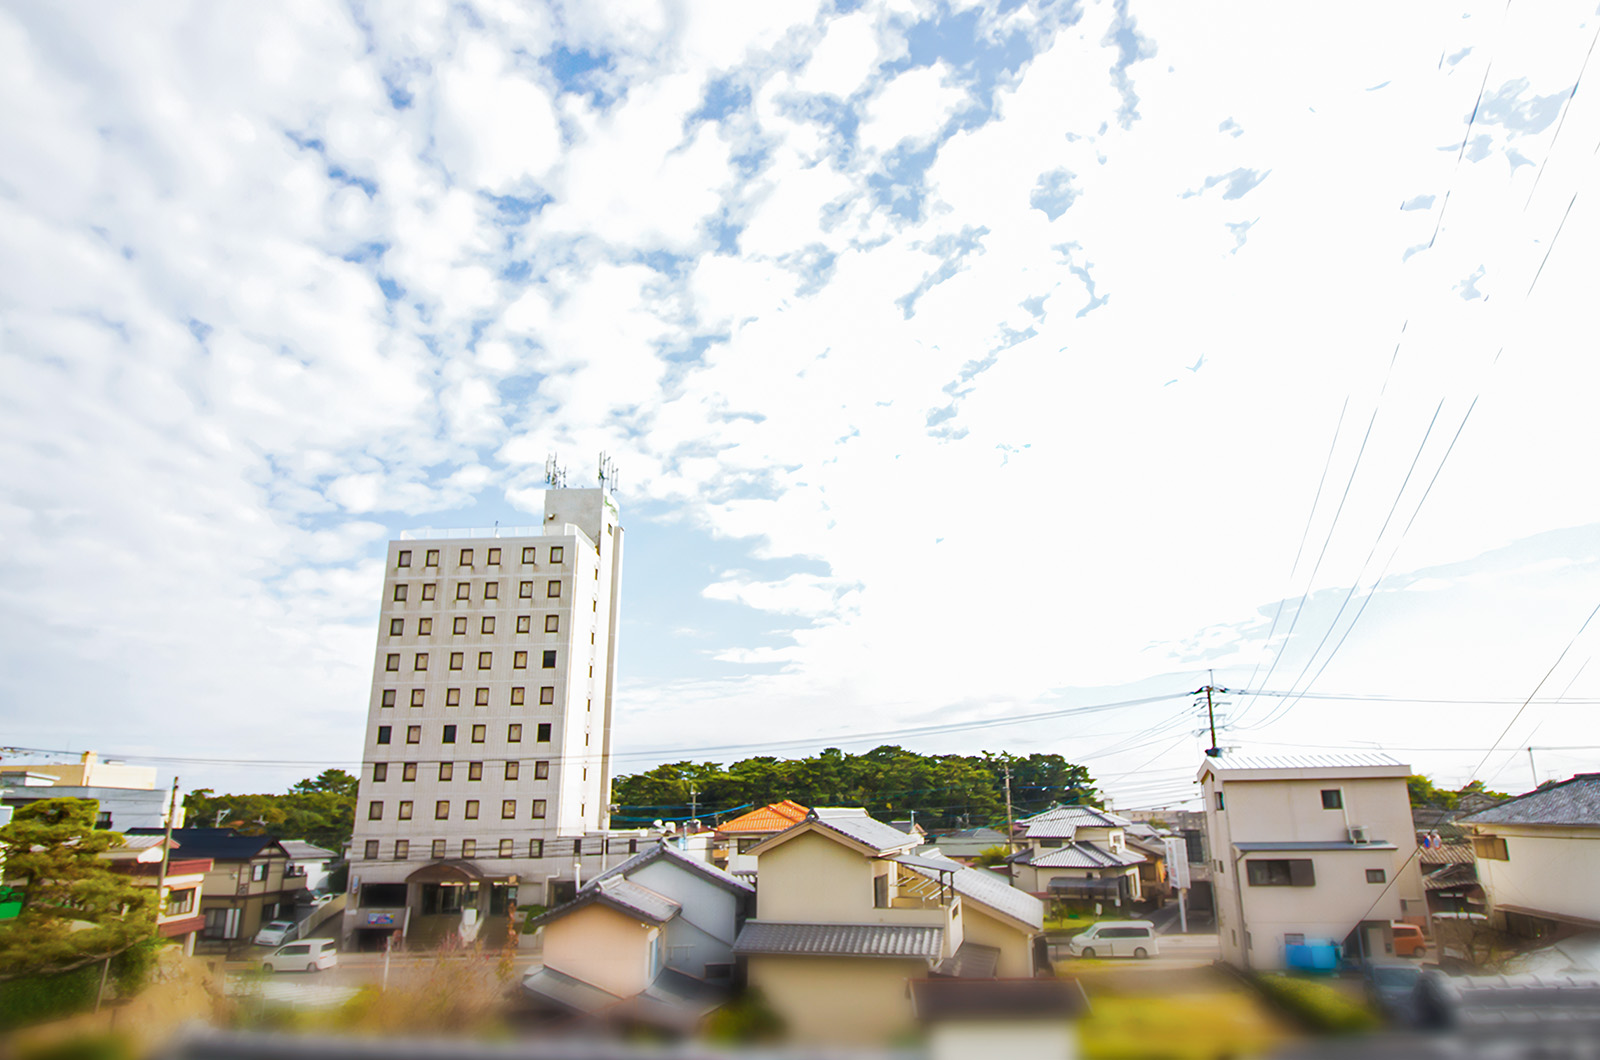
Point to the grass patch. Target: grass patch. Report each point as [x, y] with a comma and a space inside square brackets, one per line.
[1315, 1005]
[1176, 1027]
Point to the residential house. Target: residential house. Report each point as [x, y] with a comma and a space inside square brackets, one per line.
[734, 839]
[127, 794]
[309, 862]
[1309, 848]
[248, 883]
[1034, 1018]
[657, 930]
[1449, 876]
[88, 772]
[178, 914]
[1537, 858]
[848, 915]
[1077, 853]
[965, 845]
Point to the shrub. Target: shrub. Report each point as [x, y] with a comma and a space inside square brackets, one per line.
[130, 969]
[1316, 1006]
[529, 914]
[35, 999]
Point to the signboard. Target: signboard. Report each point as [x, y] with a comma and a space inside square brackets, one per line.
[1177, 861]
[380, 920]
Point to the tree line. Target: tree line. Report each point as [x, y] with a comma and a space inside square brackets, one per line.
[942, 791]
[318, 810]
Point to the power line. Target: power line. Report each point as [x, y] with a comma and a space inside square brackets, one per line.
[1566, 106]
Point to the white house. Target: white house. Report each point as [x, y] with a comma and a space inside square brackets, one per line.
[1308, 848]
[1077, 852]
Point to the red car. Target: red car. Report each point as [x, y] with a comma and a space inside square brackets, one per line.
[1408, 940]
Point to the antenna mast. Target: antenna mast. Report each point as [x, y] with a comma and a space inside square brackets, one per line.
[608, 473]
[555, 476]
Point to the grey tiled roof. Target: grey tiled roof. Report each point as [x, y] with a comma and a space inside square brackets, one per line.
[868, 831]
[1575, 801]
[971, 961]
[841, 940]
[662, 851]
[1082, 856]
[981, 886]
[567, 992]
[1082, 816]
[621, 894]
[1050, 828]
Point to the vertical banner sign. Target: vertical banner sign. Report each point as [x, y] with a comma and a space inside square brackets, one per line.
[1177, 861]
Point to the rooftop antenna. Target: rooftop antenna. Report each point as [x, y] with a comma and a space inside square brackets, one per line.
[555, 476]
[608, 473]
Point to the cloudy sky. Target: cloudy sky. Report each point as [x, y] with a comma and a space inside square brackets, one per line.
[964, 364]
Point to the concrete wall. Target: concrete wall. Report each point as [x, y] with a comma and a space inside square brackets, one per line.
[707, 924]
[837, 999]
[812, 879]
[1015, 945]
[1550, 871]
[603, 947]
[128, 807]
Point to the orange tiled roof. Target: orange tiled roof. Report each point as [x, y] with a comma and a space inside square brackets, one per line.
[773, 818]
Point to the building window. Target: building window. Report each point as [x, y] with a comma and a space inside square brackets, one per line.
[452, 697]
[466, 557]
[408, 771]
[538, 808]
[525, 591]
[494, 557]
[418, 697]
[421, 662]
[459, 626]
[553, 590]
[469, 848]
[550, 659]
[536, 848]
[552, 623]
[1377, 876]
[404, 559]
[518, 696]
[447, 771]
[405, 810]
[431, 558]
[485, 660]
[457, 660]
[481, 698]
[402, 849]
[543, 734]
[491, 590]
[449, 734]
[474, 770]
[487, 626]
[547, 695]
[383, 733]
[387, 699]
[441, 810]
[471, 813]
[380, 772]
[1332, 799]
[529, 554]
[429, 591]
[1490, 848]
[1281, 872]
[397, 627]
[519, 660]
[541, 771]
[478, 732]
[413, 734]
[513, 734]
[424, 627]
[372, 850]
[524, 623]
[508, 810]
[400, 593]
[438, 848]
[463, 590]
[511, 770]
[374, 811]
[556, 552]
[1218, 797]
[179, 902]
[391, 662]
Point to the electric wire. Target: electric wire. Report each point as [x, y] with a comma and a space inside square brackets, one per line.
[1566, 106]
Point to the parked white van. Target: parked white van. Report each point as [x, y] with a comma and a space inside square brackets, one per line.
[314, 955]
[1116, 938]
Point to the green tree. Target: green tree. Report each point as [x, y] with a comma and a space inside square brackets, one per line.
[319, 810]
[76, 908]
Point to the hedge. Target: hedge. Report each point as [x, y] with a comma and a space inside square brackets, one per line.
[39, 998]
[1316, 1005]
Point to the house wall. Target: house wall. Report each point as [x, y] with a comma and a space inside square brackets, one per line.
[1015, 945]
[603, 947]
[1036, 1039]
[228, 885]
[813, 879]
[837, 1000]
[707, 924]
[1550, 871]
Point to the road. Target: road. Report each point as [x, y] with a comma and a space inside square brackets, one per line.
[340, 983]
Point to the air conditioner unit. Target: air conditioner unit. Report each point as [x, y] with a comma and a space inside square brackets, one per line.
[1358, 834]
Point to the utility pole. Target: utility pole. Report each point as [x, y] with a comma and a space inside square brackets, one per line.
[1211, 714]
[1010, 824]
[1533, 769]
[166, 854]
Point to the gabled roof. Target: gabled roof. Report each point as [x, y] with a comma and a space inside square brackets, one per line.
[851, 824]
[219, 844]
[1078, 856]
[774, 817]
[300, 850]
[620, 894]
[1571, 802]
[1050, 828]
[1237, 765]
[840, 940]
[981, 886]
[663, 852]
[1081, 816]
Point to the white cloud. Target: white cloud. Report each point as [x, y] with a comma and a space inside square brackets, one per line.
[912, 106]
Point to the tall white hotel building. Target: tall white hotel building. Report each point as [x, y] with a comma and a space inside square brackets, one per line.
[488, 737]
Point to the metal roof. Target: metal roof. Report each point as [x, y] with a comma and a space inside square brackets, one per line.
[300, 850]
[1571, 802]
[569, 993]
[981, 886]
[914, 941]
[1319, 761]
[1312, 844]
[1052, 828]
[664, 851]
[1082, 856]
[1082, 816]
[853, 823]
[621, 894]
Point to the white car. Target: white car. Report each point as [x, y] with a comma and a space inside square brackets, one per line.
[276, 933]
[312, 955]
[1116, 938]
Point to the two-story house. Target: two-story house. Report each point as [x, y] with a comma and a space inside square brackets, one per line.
[1538, 856]
[848, 915]
[1077, 853]
[144, 857]
[733, 839]
[1309, 848]
[247, 886]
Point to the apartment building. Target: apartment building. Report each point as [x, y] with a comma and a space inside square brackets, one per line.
[488, 738]
[1309, 850]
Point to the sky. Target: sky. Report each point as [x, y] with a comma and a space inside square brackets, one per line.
[980, 376]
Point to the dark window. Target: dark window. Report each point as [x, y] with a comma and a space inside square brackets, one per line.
[449, 734]
[543, 736]
[1376, 876]
[383, 733]
[550, 659]
[1218, 797]
[1332, 799]
[1281, 872]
